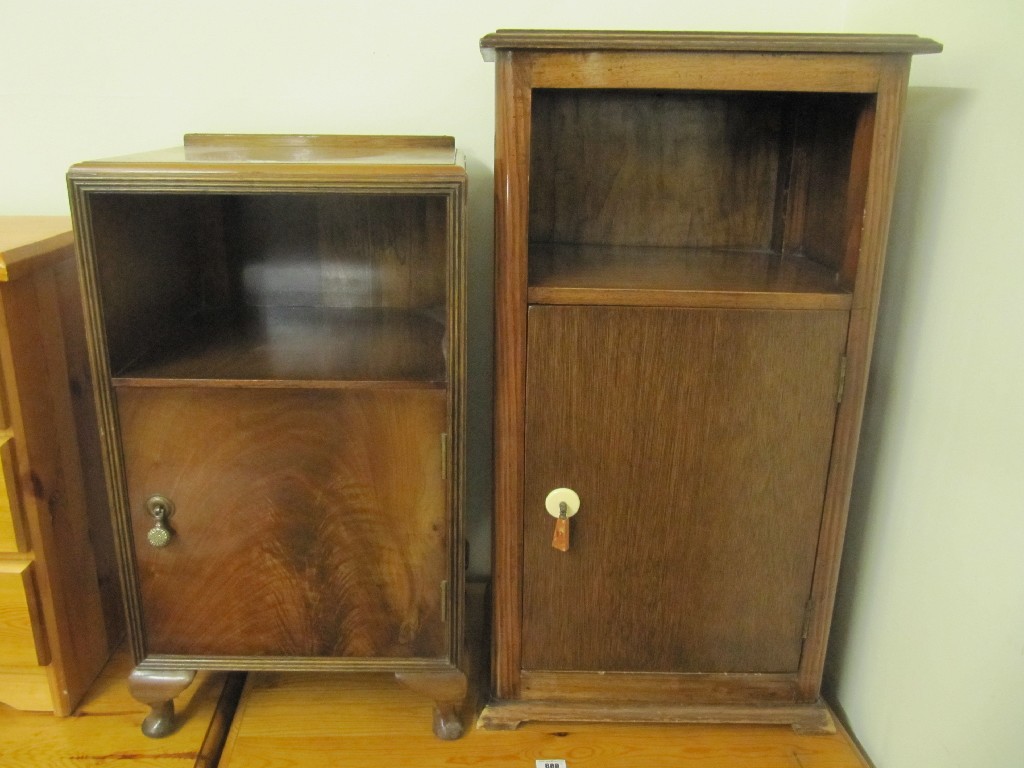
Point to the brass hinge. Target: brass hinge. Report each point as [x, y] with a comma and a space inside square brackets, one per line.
[444, 455]
[807, 619]
[444, 601]
[842, 379]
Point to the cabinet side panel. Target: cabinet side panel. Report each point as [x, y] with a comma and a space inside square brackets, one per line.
[305, 523]
[144, 247]
[835, 142]
[699, 443]
[881, 156]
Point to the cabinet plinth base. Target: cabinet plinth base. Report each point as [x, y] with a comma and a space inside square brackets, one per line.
[814, 718]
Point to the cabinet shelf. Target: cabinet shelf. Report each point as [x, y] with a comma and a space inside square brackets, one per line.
[681, 277]
[313, 347]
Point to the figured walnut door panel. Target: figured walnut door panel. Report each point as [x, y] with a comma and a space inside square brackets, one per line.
[305, 523]
[699, 443]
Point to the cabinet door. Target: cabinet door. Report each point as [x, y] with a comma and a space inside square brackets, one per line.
[305, 523]
[699, 444]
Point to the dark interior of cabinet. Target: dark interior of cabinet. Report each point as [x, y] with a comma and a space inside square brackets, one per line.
[314, 287]
[697, 190]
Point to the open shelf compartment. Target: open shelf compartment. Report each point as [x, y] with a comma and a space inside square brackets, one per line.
[693, 198]
[313, 289]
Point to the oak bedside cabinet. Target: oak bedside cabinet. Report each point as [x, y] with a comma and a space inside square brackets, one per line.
[689, 243]
[59, 605]
[276, 327]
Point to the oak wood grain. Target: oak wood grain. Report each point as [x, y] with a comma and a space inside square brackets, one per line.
[823, 114]
[724, 171]
[835, 176]
[659, 687]
[319, 516]
[680, 529]
[709, 71]
[811, 718]
[511, 209]
[653, 169]
[885, 127]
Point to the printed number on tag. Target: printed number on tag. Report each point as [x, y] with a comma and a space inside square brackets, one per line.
[551, 764]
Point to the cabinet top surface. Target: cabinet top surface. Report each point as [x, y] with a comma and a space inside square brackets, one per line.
[26, 240]
[268, 154]
[740, 42]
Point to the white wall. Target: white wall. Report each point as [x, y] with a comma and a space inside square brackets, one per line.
[927, 655]
[928, 652]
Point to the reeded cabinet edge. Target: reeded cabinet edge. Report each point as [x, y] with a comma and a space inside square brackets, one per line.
[377, 161]
[296, 664]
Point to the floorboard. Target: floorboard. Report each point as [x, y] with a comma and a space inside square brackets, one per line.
[293, 720]
[104, 730]
[288, 721]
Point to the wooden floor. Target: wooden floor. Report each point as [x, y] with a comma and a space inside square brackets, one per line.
[288, 721]
[104, 730]
[292, 720]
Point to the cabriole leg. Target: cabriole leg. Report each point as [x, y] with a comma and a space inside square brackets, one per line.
[157, 689]
[448, 691]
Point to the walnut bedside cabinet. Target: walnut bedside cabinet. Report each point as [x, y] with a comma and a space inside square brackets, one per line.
[60, 614]
[276, 326]
[689, 243]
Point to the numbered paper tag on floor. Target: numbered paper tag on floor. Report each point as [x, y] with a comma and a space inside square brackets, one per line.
[551, 764]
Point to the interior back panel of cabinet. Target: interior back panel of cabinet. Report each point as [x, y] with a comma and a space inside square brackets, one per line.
[686, 169]
[383, 251]
[217, 256]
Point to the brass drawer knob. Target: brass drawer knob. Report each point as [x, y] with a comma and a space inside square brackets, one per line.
[160, 508]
